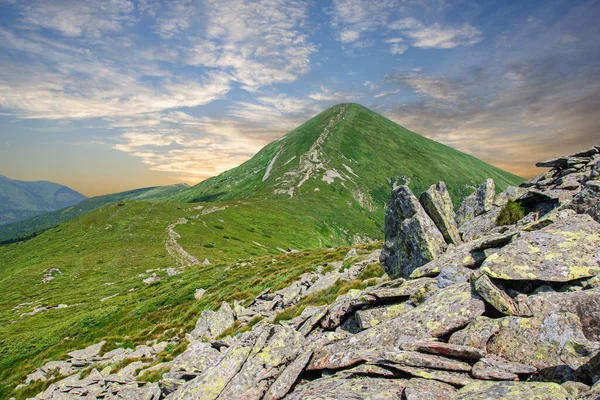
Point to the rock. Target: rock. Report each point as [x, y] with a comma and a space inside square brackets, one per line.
[211, 324]
[344, 306]
[373, 316]
[450, 377]
[213, 380]
[411, 237]
[367, 370]
[442, 313]
[445, 349]
[585, 304]
[575, 389]
[423, 360]
[438, 205]
[399, 290]
[264, 364]
[566, 250]
[480, 225]
[316, 314]
[350, 254]
[199, 293]
[476, 334]
[486, 390]
[593, 393]
[495, 295]
[359, 388]
[588, 201]
[288, 377]
[543, 342]
[479, 202]
[87, 353]
[425, 389]
[497, 368]
[195, 359]
[559, 162]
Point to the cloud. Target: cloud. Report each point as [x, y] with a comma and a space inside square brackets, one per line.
[353, 18]
[437, 36]
[326, 94]
[259, 43]
[438, 88]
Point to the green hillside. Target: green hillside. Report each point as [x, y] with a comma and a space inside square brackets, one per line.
[28, 227]
[362, 153]
[20, 200]
[320, 188]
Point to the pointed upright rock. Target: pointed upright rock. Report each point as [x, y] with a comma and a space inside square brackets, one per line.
[411, 237]
[479, 202]
[437, 203]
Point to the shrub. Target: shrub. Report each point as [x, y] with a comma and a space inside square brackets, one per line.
[511, 213]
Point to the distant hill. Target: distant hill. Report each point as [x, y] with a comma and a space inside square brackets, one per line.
[20, 200]
[31, 226]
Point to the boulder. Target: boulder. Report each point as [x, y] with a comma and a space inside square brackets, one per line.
[211, 324]
[558, 162]
[425, 389]
[373, 316]
[480, 225]
[437, 203]
[563, 251]
[195, 359]
[497, 368]
[359, 388]
[495, 295]
[476, 334]
[411, 237]
[87, 353]
[344, 306]
[486, 390]
[445, 349]
[479, 202]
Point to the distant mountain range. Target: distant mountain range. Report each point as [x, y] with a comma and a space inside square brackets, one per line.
[28, 227]
[20, 200]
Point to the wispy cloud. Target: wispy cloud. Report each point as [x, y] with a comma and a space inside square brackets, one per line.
[437, 36]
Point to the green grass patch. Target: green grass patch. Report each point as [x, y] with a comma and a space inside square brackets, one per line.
[511, 213]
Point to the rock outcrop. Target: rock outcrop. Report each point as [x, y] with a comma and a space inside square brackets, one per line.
[511, 314]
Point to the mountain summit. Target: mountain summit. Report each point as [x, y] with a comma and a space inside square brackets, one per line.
[353, 152]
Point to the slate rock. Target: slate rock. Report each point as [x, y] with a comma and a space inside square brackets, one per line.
[543, 342]
[476, 334]
[558, 162]
[411, 237]
[211, 324]
[480, 225]
[438, 205]
[425, 389]
[450, 377]
[373, 316]
[576, 389]
[477, 203]
[497, 368]
[584, 304]
[359, 388]
[196, 358]
[266, 361]
[495, 295]
[445, 349]
[486, 390]
[566, 250]
[87, 353]
[344, 306]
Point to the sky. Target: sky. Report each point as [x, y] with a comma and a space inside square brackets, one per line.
[106, 96]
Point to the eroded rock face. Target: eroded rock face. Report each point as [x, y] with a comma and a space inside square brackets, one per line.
[566, 250]
[411, 237]
[479, 202]
[437, 203]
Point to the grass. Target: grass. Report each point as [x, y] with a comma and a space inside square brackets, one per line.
[511, 213]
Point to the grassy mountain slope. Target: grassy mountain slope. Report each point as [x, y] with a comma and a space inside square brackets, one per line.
[324, 185]
[21, 200]
[364, 154]
[28, 227]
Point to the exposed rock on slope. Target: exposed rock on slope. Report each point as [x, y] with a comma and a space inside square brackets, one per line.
[512, 314]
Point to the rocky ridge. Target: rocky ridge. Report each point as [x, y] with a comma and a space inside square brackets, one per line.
[494, 312]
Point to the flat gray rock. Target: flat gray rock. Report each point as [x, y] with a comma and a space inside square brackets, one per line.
[477, 203]
[426, 389]
[211, 324]
[563, 251]
[486, 390]
[359, 388]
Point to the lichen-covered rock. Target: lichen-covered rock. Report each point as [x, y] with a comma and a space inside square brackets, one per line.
[437, 203]
[480, 225]
[445, 349]
[593, 393]
[211, 324]
[213, 380]
[566, 250]
[359, 388]
[476, 334]
[497, 368]
[543, 342]
[87, 353]
[486, 390]
[275, 348]
[477, 203]
[576, 389]
[588, 200]
[585, 304]
[425, 389]
[343, 307]
[373, 316]
[195, 359]
[441, 314]
[495, 296]
[411, 237]
[450, 377]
